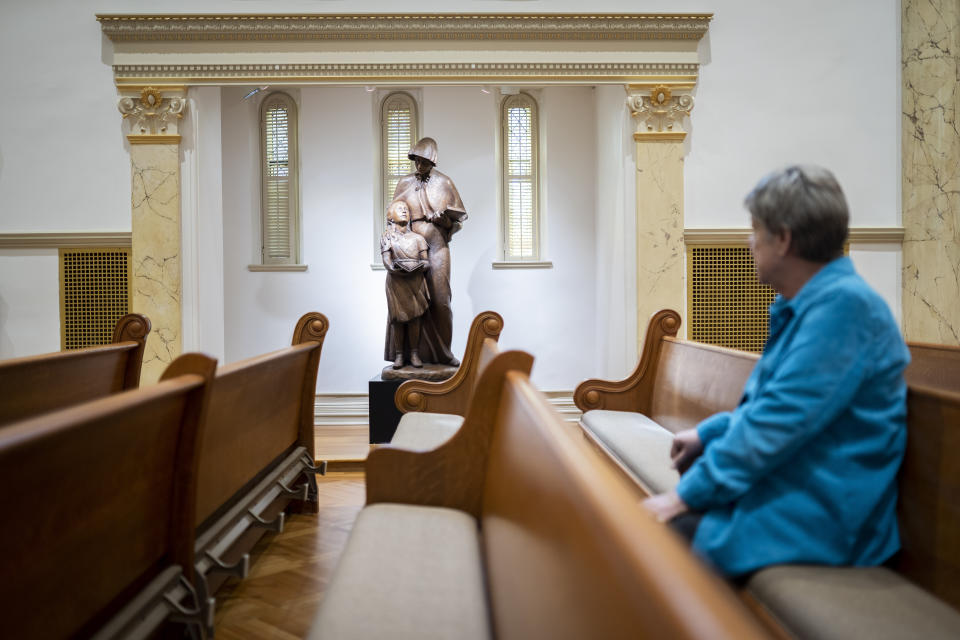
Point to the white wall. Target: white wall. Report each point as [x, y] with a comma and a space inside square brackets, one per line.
[796, 82]
[546, 311]
[29, 302]
[780, 82]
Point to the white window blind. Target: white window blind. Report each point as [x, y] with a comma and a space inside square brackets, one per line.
[398, 133]
[279, 180]
[519, 178]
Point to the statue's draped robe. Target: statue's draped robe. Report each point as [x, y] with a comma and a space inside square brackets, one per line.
[436, 212]
[407, 294]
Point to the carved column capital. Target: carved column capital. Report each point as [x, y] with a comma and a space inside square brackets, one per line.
[154, 114]
[659, 111]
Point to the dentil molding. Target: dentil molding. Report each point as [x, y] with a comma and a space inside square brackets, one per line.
[133, 28]
[396, 49]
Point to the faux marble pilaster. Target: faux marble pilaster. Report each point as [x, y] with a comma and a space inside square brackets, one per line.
[156, 251]
[931, 170]
[659, 228]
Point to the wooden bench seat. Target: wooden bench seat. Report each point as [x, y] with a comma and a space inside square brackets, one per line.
[38, 384]
[433, 411]
[678, 383]
[99, 501]
[515, 528]
[257, 453]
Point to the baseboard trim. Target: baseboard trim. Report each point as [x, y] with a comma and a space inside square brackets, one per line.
[352, 409]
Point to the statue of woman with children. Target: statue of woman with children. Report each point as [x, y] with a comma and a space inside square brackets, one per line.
[426, 211]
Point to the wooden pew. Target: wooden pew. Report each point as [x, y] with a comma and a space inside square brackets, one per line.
[257, 453]
[433, 411]
[517, 531]
[99, 501]
[678, 383]
[37, 384]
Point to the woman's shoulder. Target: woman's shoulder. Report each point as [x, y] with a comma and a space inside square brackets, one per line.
[404, 183]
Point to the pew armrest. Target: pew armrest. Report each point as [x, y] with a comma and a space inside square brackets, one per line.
[452, 395]
[635, 392]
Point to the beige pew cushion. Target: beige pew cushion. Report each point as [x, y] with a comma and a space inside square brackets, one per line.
[407, 572]
[845, 603]
[420, 431]
[639, 443]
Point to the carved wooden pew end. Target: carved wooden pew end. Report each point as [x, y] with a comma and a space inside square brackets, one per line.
[433, 411]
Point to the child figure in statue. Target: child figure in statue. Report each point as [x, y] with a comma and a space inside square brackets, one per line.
[405, 257]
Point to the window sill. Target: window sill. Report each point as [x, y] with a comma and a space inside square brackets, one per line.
[523, 264]
[277, 267]
[377, 266]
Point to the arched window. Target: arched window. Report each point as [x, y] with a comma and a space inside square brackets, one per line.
[520, 134]
[280, 172]
[398, 132]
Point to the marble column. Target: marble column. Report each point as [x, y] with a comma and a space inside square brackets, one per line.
[659, 136]
[931, 170]
[155, 206]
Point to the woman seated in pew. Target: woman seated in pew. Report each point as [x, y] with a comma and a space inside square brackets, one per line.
[804, 469]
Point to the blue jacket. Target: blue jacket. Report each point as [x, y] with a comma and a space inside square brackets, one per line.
[804, 469]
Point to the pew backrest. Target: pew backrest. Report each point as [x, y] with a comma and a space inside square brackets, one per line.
[260, 409]
[34, 385]
[99, 501]
[257, 413]
[453, 395]
[677, 383]
[934, 366]
[694, 381]
[928, 505]
[569, 552]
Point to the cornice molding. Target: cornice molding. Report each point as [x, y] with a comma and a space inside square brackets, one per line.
[741, 236]
[133, 77]
[64, 239]
[589, 27]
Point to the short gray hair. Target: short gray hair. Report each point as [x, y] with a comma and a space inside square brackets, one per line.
[807, 201]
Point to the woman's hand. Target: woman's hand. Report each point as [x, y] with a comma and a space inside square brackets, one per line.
[686, 448]
[666, 506]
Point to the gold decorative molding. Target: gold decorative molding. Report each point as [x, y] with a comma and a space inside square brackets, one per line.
[651, 136]
[866, 235]
[642, 74]
[741, 236]
[64, 239]
[379, 27]
[151, 139]
[153, 114]
[177, 89]
[660, 110]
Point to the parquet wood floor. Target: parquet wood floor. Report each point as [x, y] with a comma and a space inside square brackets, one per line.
[289, 571]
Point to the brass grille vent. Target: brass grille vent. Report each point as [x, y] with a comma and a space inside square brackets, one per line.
[726, 306]
[94, 294]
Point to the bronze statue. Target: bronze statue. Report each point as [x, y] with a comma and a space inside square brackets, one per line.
[436, 213]
[404, 255]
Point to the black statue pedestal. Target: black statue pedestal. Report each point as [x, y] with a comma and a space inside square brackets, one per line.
[384, 415]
